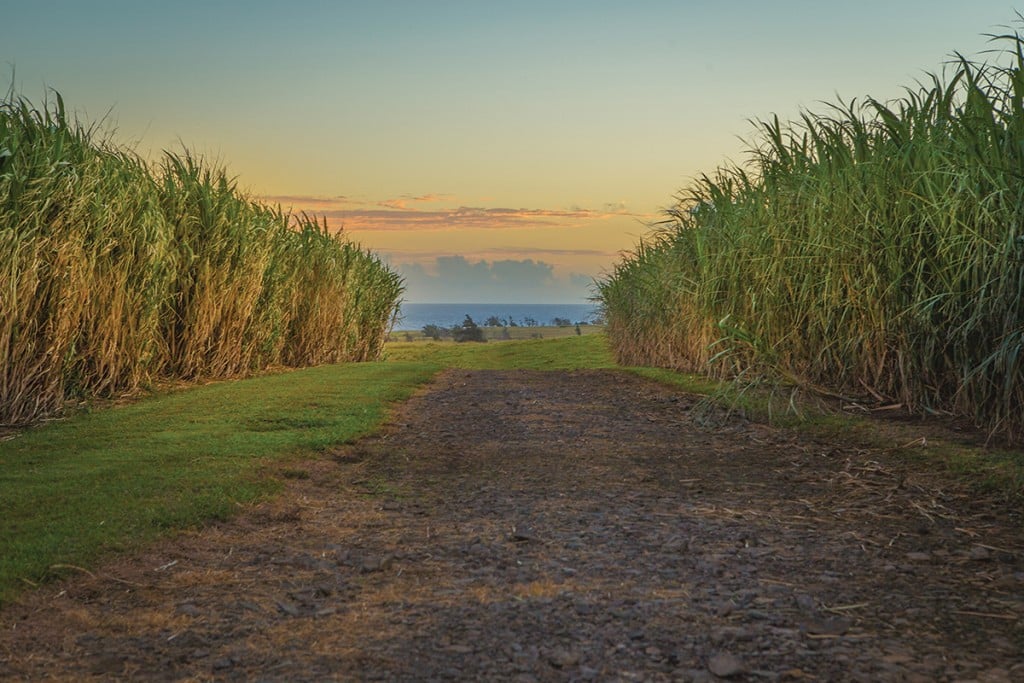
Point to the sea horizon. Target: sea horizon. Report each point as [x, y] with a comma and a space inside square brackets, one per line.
[417, 316]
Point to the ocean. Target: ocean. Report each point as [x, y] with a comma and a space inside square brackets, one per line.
[416, 316]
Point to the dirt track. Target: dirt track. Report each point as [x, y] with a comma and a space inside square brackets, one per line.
[560, 526]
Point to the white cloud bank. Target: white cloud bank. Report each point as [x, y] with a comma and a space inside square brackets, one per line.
[455, 279]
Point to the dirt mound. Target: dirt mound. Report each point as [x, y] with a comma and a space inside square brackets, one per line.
[560, 526]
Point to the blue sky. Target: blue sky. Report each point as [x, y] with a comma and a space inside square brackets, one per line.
[547, 132]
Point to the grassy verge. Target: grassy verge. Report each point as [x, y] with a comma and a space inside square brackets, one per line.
[930, 443]
[109, 480]
[566, 353]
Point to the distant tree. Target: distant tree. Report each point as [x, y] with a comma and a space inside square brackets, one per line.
[493, 321]
[529, 322]
[434, 332]
[512, 323]
[468, 332]
[561, 322]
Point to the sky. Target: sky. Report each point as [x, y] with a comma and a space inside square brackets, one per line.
[492, 152]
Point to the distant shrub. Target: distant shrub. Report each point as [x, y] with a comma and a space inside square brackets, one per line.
[469, 331]
[434, 332]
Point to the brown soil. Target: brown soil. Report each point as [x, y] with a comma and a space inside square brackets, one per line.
[561, 526]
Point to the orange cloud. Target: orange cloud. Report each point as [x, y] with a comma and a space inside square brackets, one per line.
[542, 251]
[432, 197]
[402, 203]
[421, 256]
[398, 214]
[308, 202]
[463, 217]
[453, 219]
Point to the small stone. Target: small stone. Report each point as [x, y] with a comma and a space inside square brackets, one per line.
[377, 564]
[827, 627]
[805, 602]
[563, 659]
[726, 665]
[979, 553]
[583, 608]
[288, 608]
[919, 557]
[188, 609]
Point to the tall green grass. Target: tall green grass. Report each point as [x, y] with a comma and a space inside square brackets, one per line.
[115, 272]
[874, 251]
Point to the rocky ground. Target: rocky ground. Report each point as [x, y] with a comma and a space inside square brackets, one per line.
[560, 526]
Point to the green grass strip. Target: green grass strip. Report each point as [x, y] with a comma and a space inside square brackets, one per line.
[112, 479]
[567, 353]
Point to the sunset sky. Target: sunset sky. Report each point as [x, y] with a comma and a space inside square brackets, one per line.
[491, 151]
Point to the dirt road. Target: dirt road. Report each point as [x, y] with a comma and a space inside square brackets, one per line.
[560, 526]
